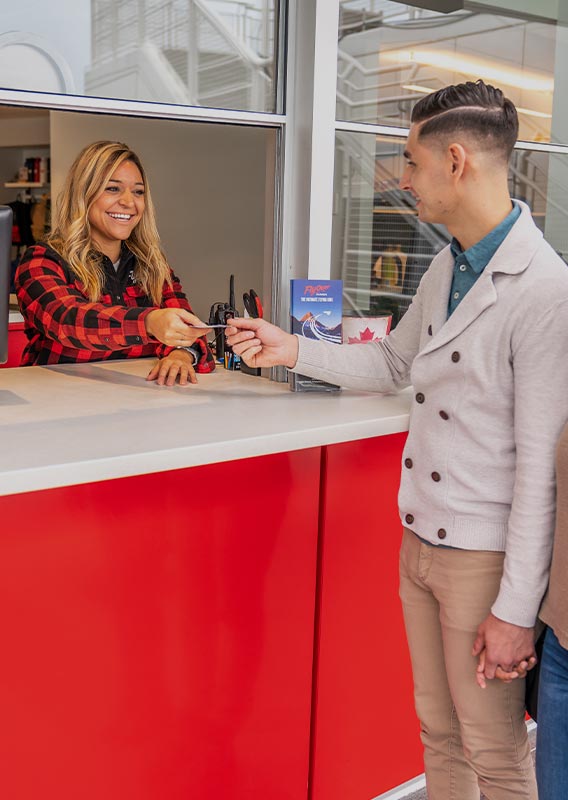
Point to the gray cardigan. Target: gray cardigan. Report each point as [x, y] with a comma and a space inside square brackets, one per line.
[490, 399]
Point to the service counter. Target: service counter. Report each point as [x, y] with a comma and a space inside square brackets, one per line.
[200, 589]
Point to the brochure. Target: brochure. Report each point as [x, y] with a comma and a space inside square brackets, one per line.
[315, 312]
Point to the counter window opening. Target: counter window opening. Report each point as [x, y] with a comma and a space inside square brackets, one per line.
[212, 185]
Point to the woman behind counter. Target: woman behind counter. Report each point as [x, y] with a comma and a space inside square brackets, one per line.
[100, 286]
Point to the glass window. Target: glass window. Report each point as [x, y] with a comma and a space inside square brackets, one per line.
[213, 53]
[381, 249]
[391, 54]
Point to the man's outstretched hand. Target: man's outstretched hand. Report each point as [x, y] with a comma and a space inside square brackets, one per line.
[261, 344]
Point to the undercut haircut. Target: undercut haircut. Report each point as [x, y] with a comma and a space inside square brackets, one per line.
[475, 109]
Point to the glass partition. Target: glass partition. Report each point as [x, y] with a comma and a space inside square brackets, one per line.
[212, 53]
[381, 249]
[391, 54]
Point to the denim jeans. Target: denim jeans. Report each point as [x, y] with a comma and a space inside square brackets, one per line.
[552, 731]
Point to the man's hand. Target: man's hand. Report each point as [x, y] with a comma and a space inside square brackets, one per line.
[178, 364]
[172, 326]
[261, 344]
[503, 645]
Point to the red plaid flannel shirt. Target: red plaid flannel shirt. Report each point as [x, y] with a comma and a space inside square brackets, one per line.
[63, 326]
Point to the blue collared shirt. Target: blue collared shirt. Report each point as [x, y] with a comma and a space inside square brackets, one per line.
[470, 263]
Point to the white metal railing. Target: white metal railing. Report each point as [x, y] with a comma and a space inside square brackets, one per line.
[529, 179]
[536, 183]
[222, 49]
[357, 15]
[373, 173]
[120, 24]
[364, 91]
[251, 24]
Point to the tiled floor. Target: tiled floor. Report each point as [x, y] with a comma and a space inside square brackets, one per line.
[421, 795]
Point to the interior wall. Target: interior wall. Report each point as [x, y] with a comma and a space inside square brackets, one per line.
[22, 133]
[23, 128]
[212, 188]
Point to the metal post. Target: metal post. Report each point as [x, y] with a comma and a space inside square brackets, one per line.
[265, 37]
[114, 35]
[192, 54]
[141, 22]
[323, 137]
[308, 147]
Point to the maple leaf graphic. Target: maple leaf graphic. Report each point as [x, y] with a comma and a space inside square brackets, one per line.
[364, 336]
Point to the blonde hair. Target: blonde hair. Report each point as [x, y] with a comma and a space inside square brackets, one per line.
[71, 232]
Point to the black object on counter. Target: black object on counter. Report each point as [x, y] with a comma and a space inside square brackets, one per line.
[220, 314]
[250, 305]
[216, 318]
[5, 246]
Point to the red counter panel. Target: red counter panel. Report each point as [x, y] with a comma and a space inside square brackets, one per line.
[366, 736]
[17, 340]
[157, 635]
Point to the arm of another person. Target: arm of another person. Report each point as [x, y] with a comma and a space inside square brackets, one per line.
[540, 412]
[378, 367]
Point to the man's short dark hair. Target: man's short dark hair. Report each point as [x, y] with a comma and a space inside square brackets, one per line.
[476, 109]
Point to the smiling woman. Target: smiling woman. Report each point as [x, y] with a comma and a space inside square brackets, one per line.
[100, 286]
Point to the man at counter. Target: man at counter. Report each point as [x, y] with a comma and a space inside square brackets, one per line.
[483, 344]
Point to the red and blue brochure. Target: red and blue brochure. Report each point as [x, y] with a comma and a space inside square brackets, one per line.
[316, 308]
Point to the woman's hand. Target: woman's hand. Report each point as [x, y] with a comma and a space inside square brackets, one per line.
[178, 364]
[172, 326]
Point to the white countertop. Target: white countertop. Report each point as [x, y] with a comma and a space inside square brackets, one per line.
[71, 424]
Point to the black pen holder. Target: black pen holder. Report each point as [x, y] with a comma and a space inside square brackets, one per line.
[220, 344]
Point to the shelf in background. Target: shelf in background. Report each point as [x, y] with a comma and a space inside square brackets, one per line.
[25, 185]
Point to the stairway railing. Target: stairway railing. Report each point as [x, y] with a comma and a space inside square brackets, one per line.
[197, 38]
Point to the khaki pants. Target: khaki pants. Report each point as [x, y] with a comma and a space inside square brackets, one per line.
[473, 738]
